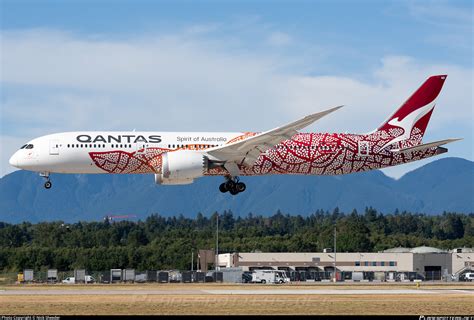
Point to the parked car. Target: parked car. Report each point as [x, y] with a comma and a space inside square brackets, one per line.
[174, 276]
[140, 277]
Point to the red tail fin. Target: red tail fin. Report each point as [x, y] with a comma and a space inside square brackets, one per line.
[417, 110]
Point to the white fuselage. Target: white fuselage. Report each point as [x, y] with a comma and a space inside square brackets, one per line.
[69, 152]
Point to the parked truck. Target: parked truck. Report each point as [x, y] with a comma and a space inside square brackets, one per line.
[269, 276]
[72, 280]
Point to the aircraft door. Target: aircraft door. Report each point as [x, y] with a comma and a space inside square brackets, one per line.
[140, 148]
[54, 147]
[364, 148]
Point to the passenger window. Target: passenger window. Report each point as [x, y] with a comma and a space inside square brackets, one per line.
[94, 145]
[68, 146]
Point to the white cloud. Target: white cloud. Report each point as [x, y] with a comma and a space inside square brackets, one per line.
[279, 39]
[55, 81]
[439, 13]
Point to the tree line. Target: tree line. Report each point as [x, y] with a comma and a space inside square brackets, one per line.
[160, 243]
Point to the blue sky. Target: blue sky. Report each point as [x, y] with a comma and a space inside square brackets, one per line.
[230, 66]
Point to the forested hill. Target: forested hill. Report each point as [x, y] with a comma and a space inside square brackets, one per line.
[166, 243]
[442, 185]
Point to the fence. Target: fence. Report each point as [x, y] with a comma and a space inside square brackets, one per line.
[230, 276]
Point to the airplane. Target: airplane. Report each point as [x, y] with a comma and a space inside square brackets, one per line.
[177, 158]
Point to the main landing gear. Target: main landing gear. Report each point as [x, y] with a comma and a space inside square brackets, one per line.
[233, 185]
[48, 183]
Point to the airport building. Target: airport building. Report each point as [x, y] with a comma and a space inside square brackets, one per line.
[423, 260]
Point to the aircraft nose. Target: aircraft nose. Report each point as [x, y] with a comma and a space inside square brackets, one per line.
[14, 160]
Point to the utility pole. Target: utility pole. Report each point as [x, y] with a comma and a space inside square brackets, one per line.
[217, 241]
[193, 245]
[335, 252]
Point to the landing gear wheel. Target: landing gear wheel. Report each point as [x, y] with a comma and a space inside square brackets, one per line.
[230, 185]
[233, 185]
[223, 188]
[48, 183]
[240, 187]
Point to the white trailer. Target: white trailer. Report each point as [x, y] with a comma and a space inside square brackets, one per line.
[269, 276]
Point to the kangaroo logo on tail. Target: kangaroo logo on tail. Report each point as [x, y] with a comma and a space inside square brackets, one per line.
[408, 122]
[416, 111]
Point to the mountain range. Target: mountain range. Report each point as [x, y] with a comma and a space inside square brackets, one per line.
[442, 185]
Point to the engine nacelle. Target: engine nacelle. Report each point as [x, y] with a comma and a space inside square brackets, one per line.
[181, 167]
[159, 179]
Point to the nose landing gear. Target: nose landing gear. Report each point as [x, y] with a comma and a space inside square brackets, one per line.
[233, 185]
[47, 184]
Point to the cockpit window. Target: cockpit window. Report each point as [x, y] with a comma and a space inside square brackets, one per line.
[29, 146]
[23, 147]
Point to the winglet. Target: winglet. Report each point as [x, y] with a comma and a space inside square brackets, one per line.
[309, 119]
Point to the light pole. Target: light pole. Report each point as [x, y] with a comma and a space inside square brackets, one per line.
[193, 244]
[335, 252]
[217, 241]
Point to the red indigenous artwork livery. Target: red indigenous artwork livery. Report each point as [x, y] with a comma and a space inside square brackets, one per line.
[315, 153]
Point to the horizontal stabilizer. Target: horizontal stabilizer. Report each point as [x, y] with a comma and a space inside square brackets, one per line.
[425, 146]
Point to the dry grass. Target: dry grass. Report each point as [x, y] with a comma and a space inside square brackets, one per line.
[228, 304]
[148, 304]
[226, 286]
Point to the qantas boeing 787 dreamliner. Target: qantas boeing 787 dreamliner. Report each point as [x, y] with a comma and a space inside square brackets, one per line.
[180, 157]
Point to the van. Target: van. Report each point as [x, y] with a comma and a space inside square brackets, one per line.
[469, 276]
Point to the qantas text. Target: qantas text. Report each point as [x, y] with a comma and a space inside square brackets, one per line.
[122, 138]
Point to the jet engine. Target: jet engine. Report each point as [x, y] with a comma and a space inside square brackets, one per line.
[181, 167]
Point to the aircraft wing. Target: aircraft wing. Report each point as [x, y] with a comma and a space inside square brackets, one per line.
[248, 150]
[425, 146]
